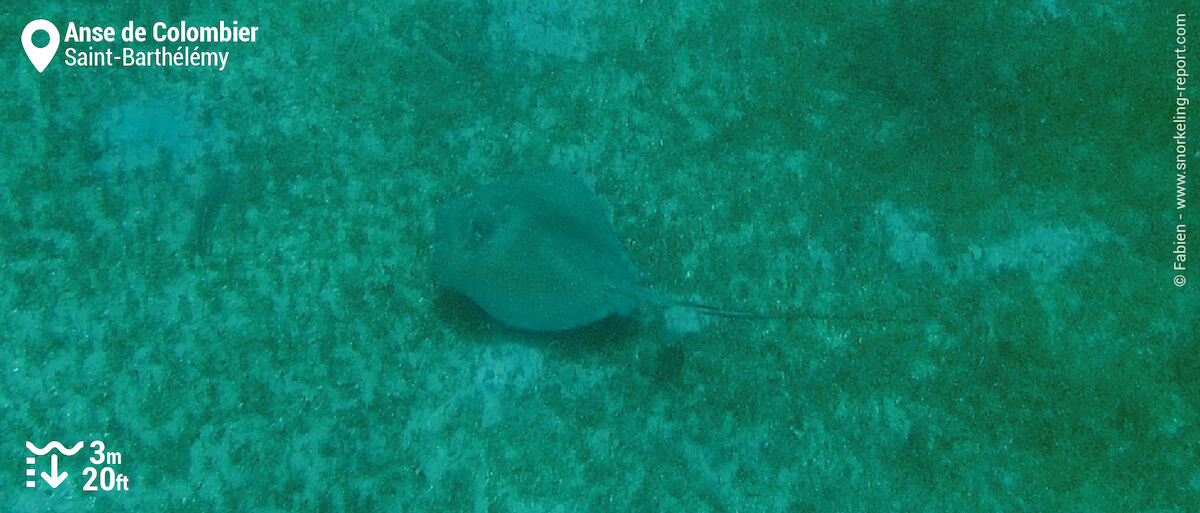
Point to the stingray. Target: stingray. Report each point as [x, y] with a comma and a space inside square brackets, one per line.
[539, 253]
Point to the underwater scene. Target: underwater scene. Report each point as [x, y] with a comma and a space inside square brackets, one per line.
[583, 256]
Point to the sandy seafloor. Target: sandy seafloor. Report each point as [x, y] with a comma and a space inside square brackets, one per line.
[225, 275]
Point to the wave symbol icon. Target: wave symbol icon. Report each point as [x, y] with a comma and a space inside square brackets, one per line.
[53, 445]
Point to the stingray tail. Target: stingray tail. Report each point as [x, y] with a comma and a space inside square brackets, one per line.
[717, 311]
[786, 314]
[661, 300]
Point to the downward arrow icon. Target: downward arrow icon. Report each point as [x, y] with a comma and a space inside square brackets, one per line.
[54, 478]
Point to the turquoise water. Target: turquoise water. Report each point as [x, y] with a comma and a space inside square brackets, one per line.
[224, 275]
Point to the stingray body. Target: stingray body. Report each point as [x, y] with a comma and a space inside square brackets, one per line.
[536, 253]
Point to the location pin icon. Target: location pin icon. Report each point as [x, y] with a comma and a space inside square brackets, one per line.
[40, 57]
